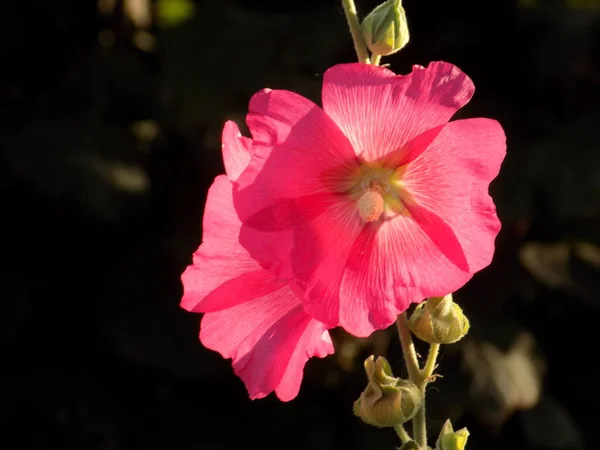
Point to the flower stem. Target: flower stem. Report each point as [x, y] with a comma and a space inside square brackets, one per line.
[420, 378]
[430, 365]
[408, 349]
[420, 423]
[355, 31]
[402, 434]
[420, 419]
[375, 59]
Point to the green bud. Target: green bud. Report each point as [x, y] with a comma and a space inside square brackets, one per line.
[385, 29]
[439, 321]
[450, 439]
[387, 400]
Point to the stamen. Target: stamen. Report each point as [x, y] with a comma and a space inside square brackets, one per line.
[371, 204]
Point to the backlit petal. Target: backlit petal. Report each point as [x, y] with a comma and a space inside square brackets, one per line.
[269, 340]
[380, 112]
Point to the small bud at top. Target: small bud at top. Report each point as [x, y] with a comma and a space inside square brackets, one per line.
[385, 29]
[439, 321]
[387, 400]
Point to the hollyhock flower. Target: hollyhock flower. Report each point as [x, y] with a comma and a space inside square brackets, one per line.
[374, 201]
[251, 316]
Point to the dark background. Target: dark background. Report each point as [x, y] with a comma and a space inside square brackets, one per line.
[110, 127]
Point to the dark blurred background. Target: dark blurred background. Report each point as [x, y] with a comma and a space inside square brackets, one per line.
[110, 115]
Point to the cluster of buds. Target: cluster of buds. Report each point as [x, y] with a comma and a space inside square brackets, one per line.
[388, 401]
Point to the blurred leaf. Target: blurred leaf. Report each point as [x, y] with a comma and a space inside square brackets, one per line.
[571, 266]
[548, 263]
[503, 382]
[172, 13]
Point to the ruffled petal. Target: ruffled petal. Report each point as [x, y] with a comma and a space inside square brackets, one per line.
[450, 179]
[446, 234]
[220, 258]
[251, 317]
[393, 264]
[236, 150]
[380, 112]
[298, 150]
[286, 199]
[314, 342]
[222, 273]
[269, 340]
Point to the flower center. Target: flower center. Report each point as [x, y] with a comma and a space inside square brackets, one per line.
[371, 204]
[378, 193]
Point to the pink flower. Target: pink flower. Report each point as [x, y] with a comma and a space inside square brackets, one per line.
[374, 201]
[251, 316]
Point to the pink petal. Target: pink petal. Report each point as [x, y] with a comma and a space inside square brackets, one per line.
[450, 179]
[381, 112]
[315, 250]
[303, 146]
[220, 258]
[269, 339]
[251, 317]
[285, 201]
[446, 235]
[236, 150]
[393, 264]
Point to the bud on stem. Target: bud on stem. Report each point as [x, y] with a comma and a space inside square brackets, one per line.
[387, 401]
[385, 29]
[439, 321]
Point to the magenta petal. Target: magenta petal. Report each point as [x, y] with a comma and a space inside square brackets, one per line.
[269, 340]
[251, 317]
[380, 112]
[284, 197]
[305, 149]
[446, 235]
[450, 178]
[220, 258]
[441, 235]
[392, 265]
[312, 250]
[236, 150]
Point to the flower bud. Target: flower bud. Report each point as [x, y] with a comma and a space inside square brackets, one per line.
[450, 439]
[439, 321]
[385, 29]
[387, 400]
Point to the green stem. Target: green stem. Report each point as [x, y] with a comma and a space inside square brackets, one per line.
[420, 419]
[434, 350]
[420, 378]
[408, 349]
[375, 59]
[402, 434]
[355, 31]
[420, 423]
